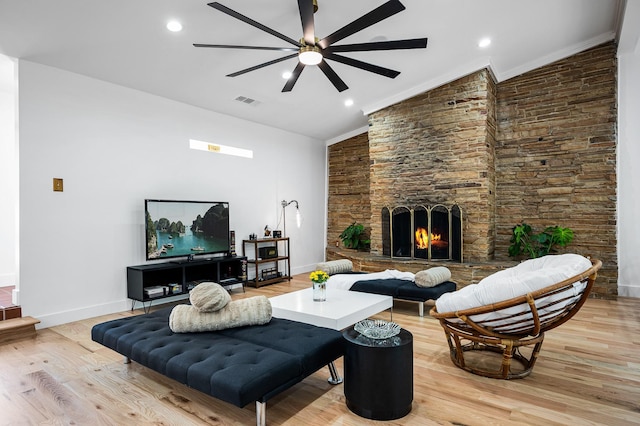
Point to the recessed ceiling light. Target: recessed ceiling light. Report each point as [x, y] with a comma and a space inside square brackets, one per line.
[485, 42]
[348, 102]
[286, 75]
[174, 26]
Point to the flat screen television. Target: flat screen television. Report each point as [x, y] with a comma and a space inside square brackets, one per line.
[182, 228]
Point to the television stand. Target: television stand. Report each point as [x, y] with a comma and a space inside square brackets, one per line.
[152, 282]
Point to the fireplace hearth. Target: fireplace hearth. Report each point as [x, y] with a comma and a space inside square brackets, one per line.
[422, 232]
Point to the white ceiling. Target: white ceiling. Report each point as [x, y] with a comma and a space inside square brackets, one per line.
[125, 42]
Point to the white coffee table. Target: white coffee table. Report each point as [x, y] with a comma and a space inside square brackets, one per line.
[341, 309]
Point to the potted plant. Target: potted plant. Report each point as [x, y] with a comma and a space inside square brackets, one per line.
[525, 242]
[355, 237]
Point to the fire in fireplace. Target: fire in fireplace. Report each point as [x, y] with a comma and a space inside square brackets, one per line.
[422, 232]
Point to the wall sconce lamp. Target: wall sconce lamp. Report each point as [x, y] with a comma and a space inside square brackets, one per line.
[284, 205]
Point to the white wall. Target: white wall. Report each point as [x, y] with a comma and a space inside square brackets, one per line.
[629, 153]
[629, 175]
[114, 147]
[8, 172]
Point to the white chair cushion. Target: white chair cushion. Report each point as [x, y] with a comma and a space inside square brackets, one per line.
[528, 276]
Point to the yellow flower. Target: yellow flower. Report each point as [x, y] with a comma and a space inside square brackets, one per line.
[318, 276]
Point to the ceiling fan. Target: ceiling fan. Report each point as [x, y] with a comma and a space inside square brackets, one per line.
[313, 51]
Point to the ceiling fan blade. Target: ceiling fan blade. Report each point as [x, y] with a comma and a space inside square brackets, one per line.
[294, 77]
[234, 14]
[266, 64]
[415, 43]
[306, 16]
[378, 14]
[332, 76]
[231, 46]
[362, 65]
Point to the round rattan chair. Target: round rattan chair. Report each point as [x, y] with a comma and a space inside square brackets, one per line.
[514, 329]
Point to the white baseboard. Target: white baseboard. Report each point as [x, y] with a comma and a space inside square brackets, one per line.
[628, 291]
[303, 269]
[50, 320]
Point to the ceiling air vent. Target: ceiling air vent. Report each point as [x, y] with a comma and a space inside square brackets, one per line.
[248, 101]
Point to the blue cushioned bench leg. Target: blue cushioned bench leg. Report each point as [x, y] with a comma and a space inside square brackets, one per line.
[421, 309]
[335, 378]
[261, 413]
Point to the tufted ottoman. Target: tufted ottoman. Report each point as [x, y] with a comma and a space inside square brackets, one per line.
[400, 289]
[238, 365]
[404, 290]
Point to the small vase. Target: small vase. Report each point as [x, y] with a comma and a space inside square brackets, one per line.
[319, 292]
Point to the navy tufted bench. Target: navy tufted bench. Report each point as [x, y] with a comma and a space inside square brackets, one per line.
[404, 290]
[238, 365]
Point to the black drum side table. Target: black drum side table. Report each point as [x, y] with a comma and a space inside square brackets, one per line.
[378, 375]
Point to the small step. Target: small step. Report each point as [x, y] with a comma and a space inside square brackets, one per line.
[17, 328]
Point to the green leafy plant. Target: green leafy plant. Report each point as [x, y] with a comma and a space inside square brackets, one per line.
[355, 237]
[525, 242]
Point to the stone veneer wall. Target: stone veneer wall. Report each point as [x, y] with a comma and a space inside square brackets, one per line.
[556, 155]
[539, 147]
[348, 164]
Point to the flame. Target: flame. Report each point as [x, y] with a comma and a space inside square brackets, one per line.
[422, 238]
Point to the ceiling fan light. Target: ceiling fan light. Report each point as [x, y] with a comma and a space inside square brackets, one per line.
[310, 55]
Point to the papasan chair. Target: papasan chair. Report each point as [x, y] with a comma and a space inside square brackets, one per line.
[509, 312]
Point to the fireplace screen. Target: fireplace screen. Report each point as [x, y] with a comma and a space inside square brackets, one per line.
[422, 232]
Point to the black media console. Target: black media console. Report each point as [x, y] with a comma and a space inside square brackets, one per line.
[146, 283]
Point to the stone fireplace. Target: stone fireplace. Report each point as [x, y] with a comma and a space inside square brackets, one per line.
[422, 232]
[437, 147]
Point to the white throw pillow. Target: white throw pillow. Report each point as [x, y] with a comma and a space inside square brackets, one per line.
[433, 276]
[209, 297]
[238, 313]
[333, 267]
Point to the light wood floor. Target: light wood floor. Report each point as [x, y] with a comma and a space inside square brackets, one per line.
[588, 373]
